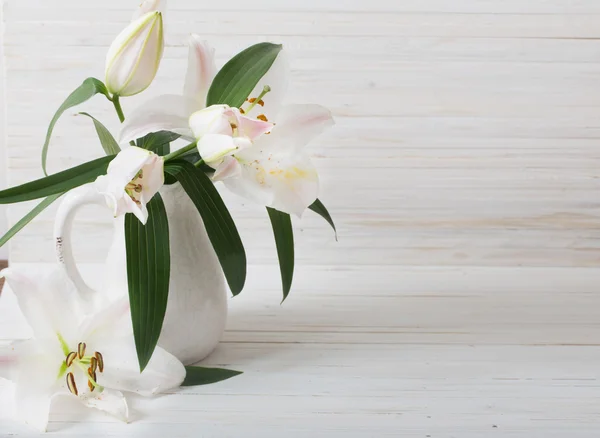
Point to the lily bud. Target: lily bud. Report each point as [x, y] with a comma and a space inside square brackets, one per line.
[134, 57]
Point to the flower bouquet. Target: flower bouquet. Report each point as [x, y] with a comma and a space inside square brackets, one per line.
[93, 345]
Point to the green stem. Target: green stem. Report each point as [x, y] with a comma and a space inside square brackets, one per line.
[117, 103]
[199, 163]
[180, 152]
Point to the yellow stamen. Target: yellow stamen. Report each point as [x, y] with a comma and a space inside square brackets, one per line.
[100, 360]
[81, 350]
[93, 364]
[262, 117]
[70, 358]
[71, 384]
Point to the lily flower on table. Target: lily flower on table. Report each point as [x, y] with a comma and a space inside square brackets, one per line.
[134, 176]
[87, 356]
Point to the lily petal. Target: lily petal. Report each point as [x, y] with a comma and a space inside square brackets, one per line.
[8, 362]
[214, 147]
[163, 113]
[277, 78]
[47, 309]
[110, 401]
[296, 188]
[229, 168]
[284, 180]
[297, 126]
[37, 384]
[130, 161]
[164, 371]
[201, 69]
[216, 119]
[251, 128]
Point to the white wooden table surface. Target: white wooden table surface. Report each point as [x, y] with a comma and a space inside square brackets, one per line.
[415, 352]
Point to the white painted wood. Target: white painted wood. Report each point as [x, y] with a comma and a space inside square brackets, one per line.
[462, 174]
[3, 164]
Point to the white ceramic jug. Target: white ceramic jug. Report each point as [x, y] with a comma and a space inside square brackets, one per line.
[197, 306]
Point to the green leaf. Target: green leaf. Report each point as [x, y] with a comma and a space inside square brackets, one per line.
[85, 92]
[158, 142]
[57, 183]
[236, 80]
[109, 144]
[148, 273]
[284, 238]
[28, 218]
[320, 209]
[196, 376]
[218, 222]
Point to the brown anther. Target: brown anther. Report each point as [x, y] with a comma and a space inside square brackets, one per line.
[261, 102]
[100, 360]
[71, 384]
[140, 174]
[251, 100]
[233, 126]
[94, 364]
[242, 111]
[81, 350]
[91, 386]
[139, 188]
[262, 117]
[70, 358]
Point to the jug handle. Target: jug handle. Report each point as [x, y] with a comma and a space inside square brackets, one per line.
[63, 230]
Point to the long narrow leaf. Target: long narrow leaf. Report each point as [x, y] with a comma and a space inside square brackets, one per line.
[236, 80]
[148, 273]
[320, 209]
[284, 239]
[196, 376]
[28, 218]
[57, 183]
[158, 142]
[218, 222]
[108, 142]
[83, 93]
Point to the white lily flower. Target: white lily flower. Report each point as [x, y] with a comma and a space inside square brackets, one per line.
[134, 56]
[91, 357]
[273, 169]
[171, 112]
[134, 176]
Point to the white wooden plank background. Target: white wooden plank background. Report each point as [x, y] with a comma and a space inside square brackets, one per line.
[3, 165]
[461, 299]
